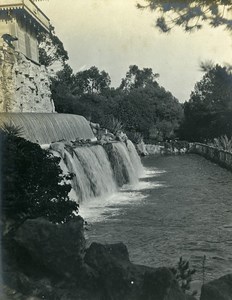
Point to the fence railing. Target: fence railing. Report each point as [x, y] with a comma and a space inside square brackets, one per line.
[222, 157]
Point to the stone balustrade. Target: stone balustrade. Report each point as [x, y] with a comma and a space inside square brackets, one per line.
[221, 157]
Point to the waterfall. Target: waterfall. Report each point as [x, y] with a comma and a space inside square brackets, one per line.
[124, 164]
[98, 170]
[44, 128]
[138, 167]
[93, 175]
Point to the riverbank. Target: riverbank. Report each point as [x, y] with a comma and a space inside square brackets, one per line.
[173, 147]
[221, 157]
[48, 261]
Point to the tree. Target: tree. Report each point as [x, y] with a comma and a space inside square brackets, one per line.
[208, 114]
[136, 78]
[33, 184]
[190, 15]
[61, 89]
[140, 104]
[91, 81]
[151, 111]
[81, 93]
[51, 49]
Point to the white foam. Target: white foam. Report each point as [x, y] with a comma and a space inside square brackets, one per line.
[96, 210]
[99, 209]
[151, 172]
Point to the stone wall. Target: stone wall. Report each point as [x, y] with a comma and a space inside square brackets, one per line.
[221, 157]
[24, 85]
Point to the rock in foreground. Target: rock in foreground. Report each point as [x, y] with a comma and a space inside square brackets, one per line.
[49, 261]
[219, 289]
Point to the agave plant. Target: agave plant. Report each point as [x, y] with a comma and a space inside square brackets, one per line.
[134, 136]
[224, 143]
[11, 129]
[114, 125]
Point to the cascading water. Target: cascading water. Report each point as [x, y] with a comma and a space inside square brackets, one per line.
[136, 161]
[98, 172]
[45, 128]
[93, 176]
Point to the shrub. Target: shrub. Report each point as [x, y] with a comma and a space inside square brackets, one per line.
[11, 129]
[183, 274]
[32, 183]
[114, 125]
[223, 143]
[135, 137]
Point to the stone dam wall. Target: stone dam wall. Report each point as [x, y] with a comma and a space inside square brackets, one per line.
[24, 85]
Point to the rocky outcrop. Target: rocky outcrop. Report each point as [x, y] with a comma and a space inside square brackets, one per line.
[49, 261]
[219, 289]
[24, 85]
[159, 284]
[50, 243]
[123, 280]
[141, 149]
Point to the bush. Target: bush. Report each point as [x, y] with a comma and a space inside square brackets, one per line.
[183, 274]
[32, 183]
[223, 143]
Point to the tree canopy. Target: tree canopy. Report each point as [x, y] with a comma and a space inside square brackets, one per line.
[139, 103]
[208, 114]
[190, 15]
[91, 81]
[136, 78]
[51, 49]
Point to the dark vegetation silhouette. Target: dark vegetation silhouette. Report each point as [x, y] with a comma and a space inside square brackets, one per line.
[208, 113]
[139, 103]
[51, 49]
[190, 15]
[33, 184]
[184, 275]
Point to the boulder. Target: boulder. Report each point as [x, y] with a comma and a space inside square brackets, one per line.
[50, 261]
[218, 289]
[160, 284]
[57, 247]
[119, 279]
[141, 148]
[111, 262]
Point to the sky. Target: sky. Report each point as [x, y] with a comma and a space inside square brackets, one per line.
[114, 34]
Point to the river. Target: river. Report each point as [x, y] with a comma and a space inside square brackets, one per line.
[182, 207]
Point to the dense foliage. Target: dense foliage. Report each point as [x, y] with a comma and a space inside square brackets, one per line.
[32, 183]
[51, 49]
[190, 15]
[140, 104]
[208, 114]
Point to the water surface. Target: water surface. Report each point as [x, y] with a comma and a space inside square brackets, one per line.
[182, 207]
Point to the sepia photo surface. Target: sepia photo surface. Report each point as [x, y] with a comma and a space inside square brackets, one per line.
[116, 149]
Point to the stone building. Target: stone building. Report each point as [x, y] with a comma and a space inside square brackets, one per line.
[24, 83]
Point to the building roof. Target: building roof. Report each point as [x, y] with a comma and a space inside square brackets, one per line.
[30, 7]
